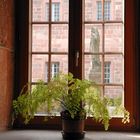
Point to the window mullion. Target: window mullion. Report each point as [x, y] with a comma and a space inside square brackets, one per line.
[75, 37]
[49, 42]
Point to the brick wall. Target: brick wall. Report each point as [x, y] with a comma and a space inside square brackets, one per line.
[6, 60]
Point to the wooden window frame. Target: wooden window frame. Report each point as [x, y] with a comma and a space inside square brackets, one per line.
[76, 20]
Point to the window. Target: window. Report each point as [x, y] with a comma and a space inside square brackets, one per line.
[55, 11]
[107, 72]
[54, 70]
[104, 48]
[49, 43]
[106, 10]
[99, 10]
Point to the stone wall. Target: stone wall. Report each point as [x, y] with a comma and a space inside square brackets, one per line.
[6, 61]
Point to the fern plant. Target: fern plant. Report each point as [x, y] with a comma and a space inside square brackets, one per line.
[78, 97]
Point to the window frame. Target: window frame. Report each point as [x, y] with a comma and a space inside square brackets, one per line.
[21, 54]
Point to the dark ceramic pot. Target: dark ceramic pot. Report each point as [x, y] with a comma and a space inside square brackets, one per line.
[72, 128]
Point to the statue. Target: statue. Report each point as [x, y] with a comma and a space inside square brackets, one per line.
[95, 40]
[94, 44]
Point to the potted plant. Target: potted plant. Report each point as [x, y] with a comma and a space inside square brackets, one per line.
[77, 99]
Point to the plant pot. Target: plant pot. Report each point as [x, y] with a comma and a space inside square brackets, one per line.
[72, 128]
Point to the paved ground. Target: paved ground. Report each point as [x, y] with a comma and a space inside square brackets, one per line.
[56, 135]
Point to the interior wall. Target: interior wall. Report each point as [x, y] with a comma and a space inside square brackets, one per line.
[6, 61]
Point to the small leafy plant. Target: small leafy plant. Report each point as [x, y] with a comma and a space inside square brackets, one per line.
[78, 97]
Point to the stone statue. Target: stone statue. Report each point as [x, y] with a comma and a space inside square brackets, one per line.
[94, 44]
[95, 40]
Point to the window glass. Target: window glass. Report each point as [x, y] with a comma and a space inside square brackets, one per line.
[104, 47]
[116, 97]
[93, 68]
[40, 38]
[114, 32]
[49, 41]
[38, 67]
[59, 37]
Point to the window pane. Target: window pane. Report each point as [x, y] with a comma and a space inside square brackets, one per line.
[114, 37]
[40, 38]
[116, 98]
[116, 68]
[40, 10]
[93, 68]
[93, 38]
[63, 62]
[38, 67]
[59, 38]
